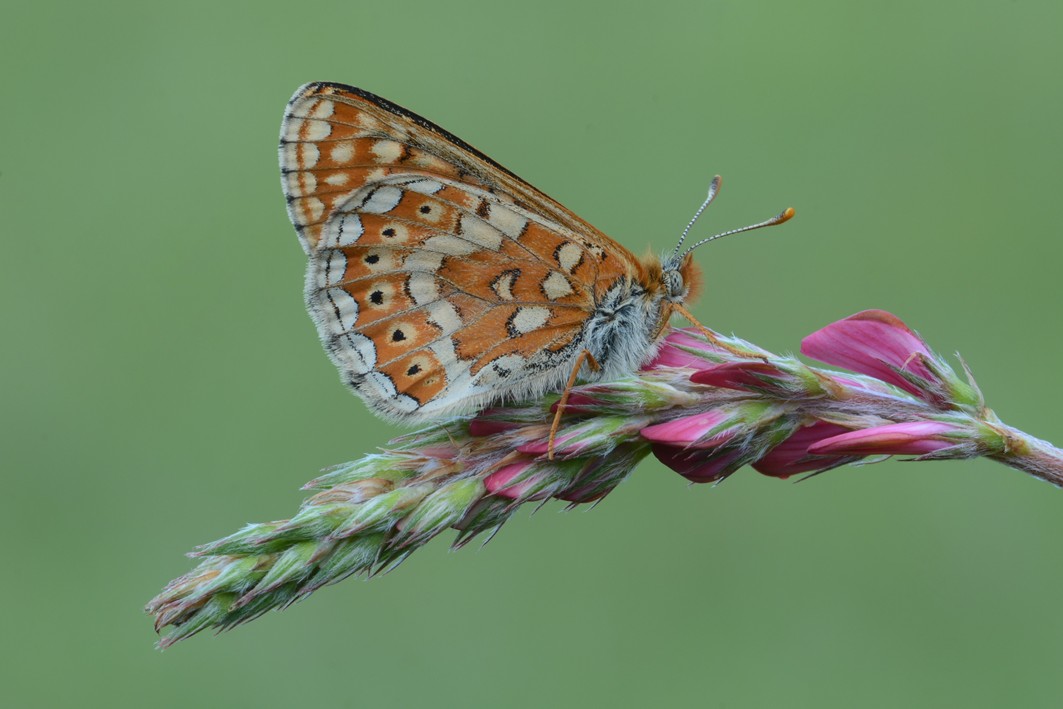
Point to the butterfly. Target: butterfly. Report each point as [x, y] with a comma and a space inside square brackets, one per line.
[440, 282]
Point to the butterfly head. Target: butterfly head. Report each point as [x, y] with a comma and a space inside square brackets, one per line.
[668, 284]
[680, 280]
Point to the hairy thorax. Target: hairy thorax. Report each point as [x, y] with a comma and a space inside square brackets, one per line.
[632, 315]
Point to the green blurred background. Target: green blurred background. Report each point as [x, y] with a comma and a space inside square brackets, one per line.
[162, 385]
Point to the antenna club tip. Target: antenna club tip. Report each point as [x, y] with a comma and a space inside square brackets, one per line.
[787, 215]
[714, 186]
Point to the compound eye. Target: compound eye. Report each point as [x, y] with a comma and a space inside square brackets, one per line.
[674, 281]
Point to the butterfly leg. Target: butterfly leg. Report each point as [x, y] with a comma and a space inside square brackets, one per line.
[715, 339]
[584, 356]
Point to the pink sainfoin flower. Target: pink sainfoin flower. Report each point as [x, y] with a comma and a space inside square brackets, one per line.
[798, 433]
[879, 344]
[685, 348]
[794, 455]
[876, 343]
[704, 407]
[909, 438]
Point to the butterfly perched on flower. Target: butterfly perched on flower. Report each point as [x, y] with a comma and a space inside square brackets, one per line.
[440, 282]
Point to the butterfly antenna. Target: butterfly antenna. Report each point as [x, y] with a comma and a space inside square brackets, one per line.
[783, 216]
[714, 187]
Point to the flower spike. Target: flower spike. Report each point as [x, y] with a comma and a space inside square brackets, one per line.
[703, 408]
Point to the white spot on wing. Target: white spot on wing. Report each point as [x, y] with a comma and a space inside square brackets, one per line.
[445, 316]
[422, 287]
[301, 183]
[444, 351]
[421, 260]
[337, 179]
[529, 318]
[425, 186]
[450, 245]
[291, 128]
[503, 369]
[480, 232]
[503, 284]
[342, 152]
[290, 156]
[569, 256]
[299, 156]
[556, 286]
[334, 269]
[428, 161]
[308, 155]
[382, 200]
[380, 385]
[307, 129]
[306, 210]
[507, 221]
[321, 109]
[356, 352]
[368, 123]
[340, 309]
[343, 231]
[386, 150]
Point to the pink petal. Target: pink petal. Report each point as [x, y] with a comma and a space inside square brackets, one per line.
[577, 401]
[868, 343]
[791, 456]
[697, 465]
[489, 427]
[915, 438]
[690, 430]
[497, 483]
[671, 356]
[737, 375]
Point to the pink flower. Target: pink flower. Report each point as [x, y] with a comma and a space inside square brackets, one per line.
[561, 445]
[792, 455]
[673, 354]
[697, 446]
[913, 438]
[740, 375]
[485, 424]
[501, 482]
[697, 465]
[579, 401]
[876, 343]
[704, 430]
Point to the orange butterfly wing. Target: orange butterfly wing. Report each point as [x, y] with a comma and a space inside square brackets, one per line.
[439, 281]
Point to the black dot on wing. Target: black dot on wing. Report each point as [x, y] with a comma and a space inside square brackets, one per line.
[413, 370]
[388, 232]
[377, 297]
[372, 258]
[425, 209]
[398, 336]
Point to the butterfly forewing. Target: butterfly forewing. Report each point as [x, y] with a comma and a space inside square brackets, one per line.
[439, 281]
